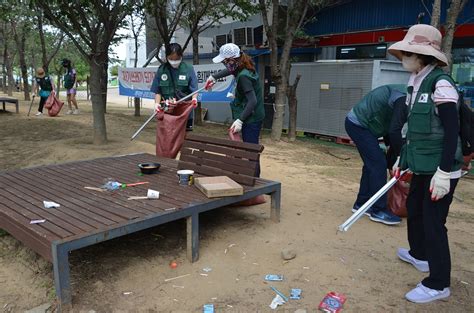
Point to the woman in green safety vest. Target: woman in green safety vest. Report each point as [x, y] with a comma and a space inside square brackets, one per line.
[433, 153]
[381, 113]
[174, 80]
[44, 84]
[247, 107]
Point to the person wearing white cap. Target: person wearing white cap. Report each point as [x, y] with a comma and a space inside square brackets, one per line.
[44, 84]
[247, 107]
[432, 152]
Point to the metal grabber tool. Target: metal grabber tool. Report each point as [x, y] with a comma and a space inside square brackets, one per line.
[360, 212]
[31, 104]
[154, 112]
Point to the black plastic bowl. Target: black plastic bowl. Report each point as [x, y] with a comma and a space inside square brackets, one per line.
[149, 168]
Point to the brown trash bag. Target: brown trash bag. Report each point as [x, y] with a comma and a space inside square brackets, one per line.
[252, 201]
[397, 196]
[171, 130]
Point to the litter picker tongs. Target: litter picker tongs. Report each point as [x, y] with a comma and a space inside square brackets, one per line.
[154, 112]
[360, 212]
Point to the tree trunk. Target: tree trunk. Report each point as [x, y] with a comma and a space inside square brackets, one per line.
[455, 8]
[24, 67]
[9, 67]
[435, 14]
[44, 57]
[136, 102]
[88, 93]
[293, 106]
[97, 95]
[4, 68]
[198, 110]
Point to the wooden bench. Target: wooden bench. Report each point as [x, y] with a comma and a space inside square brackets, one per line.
[215, 157]
[10, 100]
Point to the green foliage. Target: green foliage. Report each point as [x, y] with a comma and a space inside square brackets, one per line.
[114, 70]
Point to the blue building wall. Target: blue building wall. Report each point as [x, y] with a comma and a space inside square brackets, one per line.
[358, 15]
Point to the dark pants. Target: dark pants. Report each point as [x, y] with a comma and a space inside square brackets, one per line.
[41, 104]
[374, 171]
[190, 121]
[251, 133]
[427, 233]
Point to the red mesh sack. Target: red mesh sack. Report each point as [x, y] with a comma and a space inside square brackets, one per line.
[397, 196]
[171, 130]
[55, 107]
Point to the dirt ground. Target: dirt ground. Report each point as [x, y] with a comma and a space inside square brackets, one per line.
[319, 184]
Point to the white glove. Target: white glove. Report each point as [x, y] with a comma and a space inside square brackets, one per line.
[158, 107]
[236, 126]
[210, 82]
[396, 168]
[440, 184]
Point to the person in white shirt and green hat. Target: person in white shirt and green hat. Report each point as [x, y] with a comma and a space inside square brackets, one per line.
[433, 153]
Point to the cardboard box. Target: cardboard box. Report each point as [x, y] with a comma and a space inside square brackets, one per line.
[218, 186]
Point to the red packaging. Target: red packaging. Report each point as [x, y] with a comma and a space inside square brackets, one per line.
[332, 302]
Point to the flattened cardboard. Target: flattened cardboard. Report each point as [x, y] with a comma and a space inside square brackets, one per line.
[218, 186]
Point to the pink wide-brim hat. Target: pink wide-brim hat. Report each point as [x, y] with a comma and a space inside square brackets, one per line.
[421, 39]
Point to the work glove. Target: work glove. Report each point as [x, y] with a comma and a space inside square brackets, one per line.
[194, 102]
[158, 107]
[236, 126]
[396, 168]
[210, 82]
[467, 162]
[440, 184]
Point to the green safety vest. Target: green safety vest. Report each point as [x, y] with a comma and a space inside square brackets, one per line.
[44, 83]
[168, 87]
[237, 106]
[424, 146]
[374, 112]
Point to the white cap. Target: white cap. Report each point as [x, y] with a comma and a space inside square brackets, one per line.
[229, 50]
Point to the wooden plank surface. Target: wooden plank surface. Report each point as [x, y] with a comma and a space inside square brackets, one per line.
[225, 142]
[84, 211]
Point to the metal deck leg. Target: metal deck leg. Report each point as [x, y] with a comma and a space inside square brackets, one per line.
[192, 230]
[61, 274]
[275, 205]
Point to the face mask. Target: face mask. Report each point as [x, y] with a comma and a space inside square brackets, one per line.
[411, 63]
[232, 65]
[175, 64]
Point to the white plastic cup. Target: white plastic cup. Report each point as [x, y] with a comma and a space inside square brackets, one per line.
[153, 194]
[185, 177]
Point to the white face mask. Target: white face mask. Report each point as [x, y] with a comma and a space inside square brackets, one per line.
[411, 63]
[175, 63]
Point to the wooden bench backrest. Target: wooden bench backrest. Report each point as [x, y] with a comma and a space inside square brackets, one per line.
[220, 157]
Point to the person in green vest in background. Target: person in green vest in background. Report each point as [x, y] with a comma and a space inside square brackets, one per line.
[247, 106]
[44, 84]
[70, 83]
[381, 113]
[174, 80]
[433, 153]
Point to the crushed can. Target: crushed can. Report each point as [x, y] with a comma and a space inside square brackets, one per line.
[332, 302]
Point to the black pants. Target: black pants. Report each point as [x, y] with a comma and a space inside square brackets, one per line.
[427, 233]
[41, 104]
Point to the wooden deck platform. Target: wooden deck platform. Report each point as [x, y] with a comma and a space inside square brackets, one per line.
[87, 217]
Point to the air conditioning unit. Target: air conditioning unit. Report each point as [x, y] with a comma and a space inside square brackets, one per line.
[243, 36]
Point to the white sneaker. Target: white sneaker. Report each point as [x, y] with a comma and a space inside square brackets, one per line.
[38, 114]
[75, 112]
[422, 294]
[69, 112]
[420, 265]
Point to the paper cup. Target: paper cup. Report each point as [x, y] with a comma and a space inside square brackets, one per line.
[185, 177]
[153, 194]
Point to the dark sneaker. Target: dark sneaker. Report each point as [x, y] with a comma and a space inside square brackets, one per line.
[368, 212]
[385, 217]
[420, 265]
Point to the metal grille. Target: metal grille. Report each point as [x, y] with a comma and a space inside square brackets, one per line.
[239, 37]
